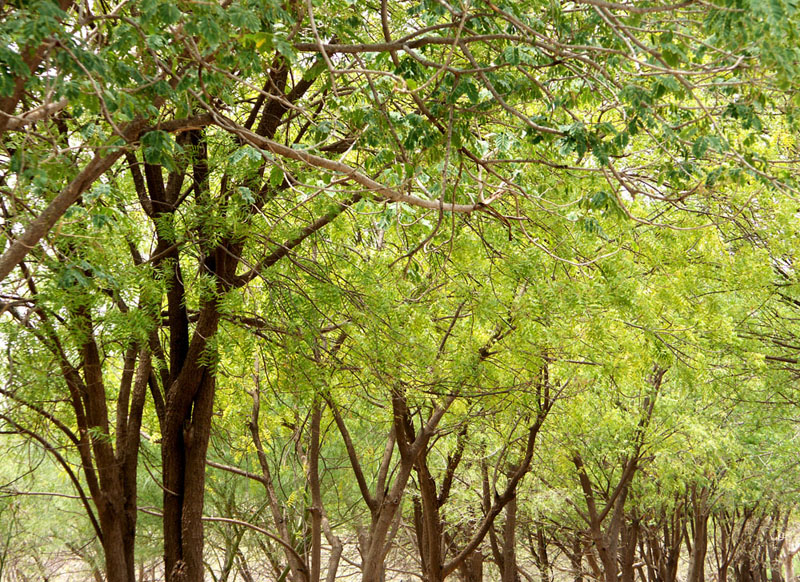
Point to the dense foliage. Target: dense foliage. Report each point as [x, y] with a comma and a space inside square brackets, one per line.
[399, 290]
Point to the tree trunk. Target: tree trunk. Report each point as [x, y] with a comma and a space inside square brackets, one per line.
[541, 555]
[775, 541]
[697, 560]
[428, 523]
[787, 557]
[184, 447]
[575, 559]
[372, 570]
[628, 554]
[189, 405]
[510, 573]
[471, 569]
[118, 551]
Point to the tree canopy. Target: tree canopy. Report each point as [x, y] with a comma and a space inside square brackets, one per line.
[304, 290]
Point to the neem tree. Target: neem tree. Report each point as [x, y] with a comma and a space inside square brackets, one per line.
[161, 160]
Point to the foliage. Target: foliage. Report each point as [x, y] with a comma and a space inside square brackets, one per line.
[421, 279]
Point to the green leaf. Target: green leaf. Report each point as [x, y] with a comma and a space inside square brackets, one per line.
[159, 148]
[276, 176]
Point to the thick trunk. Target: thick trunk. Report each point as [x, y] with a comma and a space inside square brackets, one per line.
[111, 474]
[187, 425]
[173, 467]
[788, 564]
[607, 542]
[775, 568]
[373, 570]
[183, 455]
[196, 437]
[471, 569]
[378, 539]
[607, 549]
[118, 550]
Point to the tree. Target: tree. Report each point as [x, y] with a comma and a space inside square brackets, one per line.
[539, 171]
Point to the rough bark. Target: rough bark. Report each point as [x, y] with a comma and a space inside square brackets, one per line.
[627, 557]
[471, 568]
[510, 573]
[700, 516]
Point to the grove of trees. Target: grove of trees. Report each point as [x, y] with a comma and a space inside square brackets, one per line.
[312, 290]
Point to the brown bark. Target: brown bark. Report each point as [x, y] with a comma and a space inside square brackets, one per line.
[316, 493]
[510, 573]
[605, 534]
[627, 557]
[108, 464]
[428, 519]
[736, 538]
[788, 561]
[541, 555]
[661, 545]
[471, 568]
[545, 402]
[774, 542]
[189, 393]
[384, 503]
[186, 430]
[605, 539]
[700, 515]
[575, 560]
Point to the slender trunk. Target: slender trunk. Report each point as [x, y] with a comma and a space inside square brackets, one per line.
[628, 554]
[788, 561]
[672, 536]
[542, 558]
[575, 559]
[427, 521]
[775, 541]
[510, 543]
[385, 505]
[699, 548]
[298, 570]
[650, 550]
